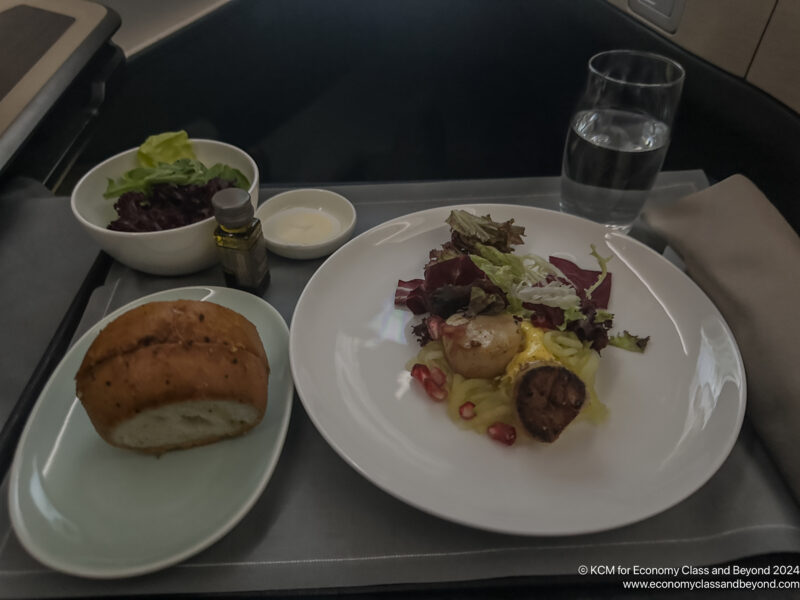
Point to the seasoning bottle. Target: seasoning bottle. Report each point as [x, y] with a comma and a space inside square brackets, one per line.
[240, 244]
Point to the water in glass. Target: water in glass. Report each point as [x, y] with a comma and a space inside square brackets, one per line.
[611, 160]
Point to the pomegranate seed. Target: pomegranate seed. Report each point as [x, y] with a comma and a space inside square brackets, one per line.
[467, 411]
[435, 324]
[421, 373]
[503, 433]
[438, 376]
[436, 392]
[430, 381]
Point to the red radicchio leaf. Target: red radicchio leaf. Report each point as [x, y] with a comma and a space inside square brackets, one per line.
[408, 294]
[583, 279]
[548, 317]
[446, 287]
[456, 271]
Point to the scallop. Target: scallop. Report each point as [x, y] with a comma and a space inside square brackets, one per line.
[547, 397]
[482, 346]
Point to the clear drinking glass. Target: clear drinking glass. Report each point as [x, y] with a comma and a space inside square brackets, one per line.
[619, 135]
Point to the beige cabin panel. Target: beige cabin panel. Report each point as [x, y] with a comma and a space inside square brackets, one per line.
[776, 66]
[724, 32]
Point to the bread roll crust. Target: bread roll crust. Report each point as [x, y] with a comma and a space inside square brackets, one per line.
[180, 321]
[164, 353]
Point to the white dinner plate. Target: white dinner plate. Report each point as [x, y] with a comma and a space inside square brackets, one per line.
[83, 507]
[675, 411]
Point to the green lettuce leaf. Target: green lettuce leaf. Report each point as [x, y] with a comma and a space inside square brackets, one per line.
[169, 158]
[228, 174]
[184, 171]
[504, 270]
[522, 277]
[468, 230]
[602, 315]
[628, 341]
[165, 148]
[603, 262]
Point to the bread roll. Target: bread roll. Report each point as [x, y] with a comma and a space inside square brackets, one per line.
[169, 375]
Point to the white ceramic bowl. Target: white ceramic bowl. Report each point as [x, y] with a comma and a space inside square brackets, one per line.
[176, 251]
[329, 206]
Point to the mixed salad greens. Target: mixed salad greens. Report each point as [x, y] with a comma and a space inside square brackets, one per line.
[170, 187]
[476, 272]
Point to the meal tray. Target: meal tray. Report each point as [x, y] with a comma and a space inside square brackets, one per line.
[321, 525]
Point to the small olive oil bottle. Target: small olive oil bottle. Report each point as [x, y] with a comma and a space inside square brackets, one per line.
[240, 244]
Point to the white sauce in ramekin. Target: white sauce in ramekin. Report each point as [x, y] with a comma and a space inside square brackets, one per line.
[301, 226]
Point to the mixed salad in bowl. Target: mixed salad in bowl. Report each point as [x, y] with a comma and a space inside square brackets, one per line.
[170, 188]
[149, 207]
